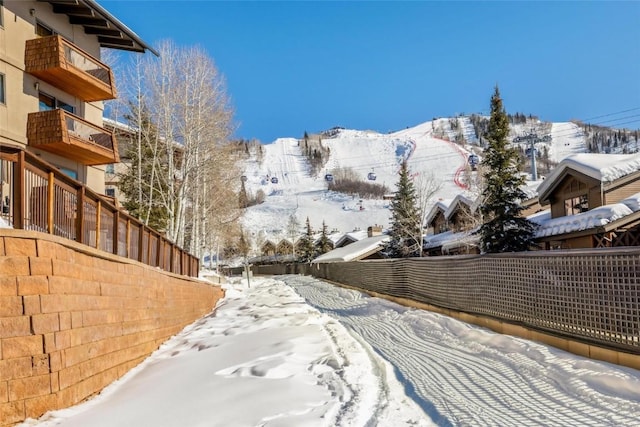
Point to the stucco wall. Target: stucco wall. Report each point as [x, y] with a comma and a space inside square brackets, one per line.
[73, 319]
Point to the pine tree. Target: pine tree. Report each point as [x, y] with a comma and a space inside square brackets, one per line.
[406, 230]
[244, 247]
[307, 247]
[324, 243]
[141, 183]
[503, 230]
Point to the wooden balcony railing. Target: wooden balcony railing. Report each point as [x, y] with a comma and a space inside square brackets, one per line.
[36, 196]
[66, 66]
[65, 134]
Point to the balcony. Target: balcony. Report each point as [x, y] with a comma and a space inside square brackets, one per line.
[66, 66]
[69, 136]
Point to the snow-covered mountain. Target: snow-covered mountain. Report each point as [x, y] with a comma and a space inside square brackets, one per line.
[298, 192]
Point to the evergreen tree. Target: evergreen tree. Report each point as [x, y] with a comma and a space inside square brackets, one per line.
[307, 247]
[503, 230]
[244, 247]
[142, 184]
[406, 230]
[324, 244]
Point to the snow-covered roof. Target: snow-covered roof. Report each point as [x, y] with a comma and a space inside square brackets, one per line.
[440, 206]
[583, 221]
[354, 236]
[355, 250]
[548, 226]
[460, 199]
[450, 239]
[605, 168]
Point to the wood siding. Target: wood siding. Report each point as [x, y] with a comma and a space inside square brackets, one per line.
[574, 184]
[620, 191]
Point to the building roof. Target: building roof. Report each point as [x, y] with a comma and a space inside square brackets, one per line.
[605, 168]
[440, 206]
[96, 20]
[352, 236]
[355, 251]
[594, 218]
[461, 199]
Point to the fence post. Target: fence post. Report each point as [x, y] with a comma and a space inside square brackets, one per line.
[116, 235]
[98, 215]
[80, 215]
[19, 192]
[50, 203]
[171, 258]
[128, 237]
[140, 242]
[158, 249]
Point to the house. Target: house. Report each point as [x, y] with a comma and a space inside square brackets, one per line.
[592, 202]
[53, 84]
[462, 214]
[268, 248]
[436, 220]
[367, 248]
[284, 247]
[350, 237]
[450, 223]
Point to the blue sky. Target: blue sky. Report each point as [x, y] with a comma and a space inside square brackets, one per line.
[296, 66]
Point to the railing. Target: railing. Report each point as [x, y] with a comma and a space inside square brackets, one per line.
[65, 65]
[37, 196]
[86, 63]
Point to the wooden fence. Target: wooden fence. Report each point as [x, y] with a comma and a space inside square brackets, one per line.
[37, 196]
[588, 295]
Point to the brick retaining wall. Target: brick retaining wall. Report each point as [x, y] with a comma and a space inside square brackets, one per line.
[74, 319]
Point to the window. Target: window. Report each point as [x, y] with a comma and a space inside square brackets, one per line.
[1, 13]
[110, 169]
[42, 30]
[576, 205]
[73, 174]
[2, 99]
[48, 102]
[111, 192]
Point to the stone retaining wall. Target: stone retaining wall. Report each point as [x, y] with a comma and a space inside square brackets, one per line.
[74, 319]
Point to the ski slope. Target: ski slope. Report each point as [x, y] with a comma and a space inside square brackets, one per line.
[299, 193]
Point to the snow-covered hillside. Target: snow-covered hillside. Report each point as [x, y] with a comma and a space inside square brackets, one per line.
[298, 193]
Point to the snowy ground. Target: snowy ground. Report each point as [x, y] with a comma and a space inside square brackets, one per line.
[267, 358]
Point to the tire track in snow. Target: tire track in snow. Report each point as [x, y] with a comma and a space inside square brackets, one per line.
[465, 381]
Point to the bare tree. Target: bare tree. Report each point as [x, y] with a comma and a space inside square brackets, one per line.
[194, 175]
[293, 231]
[426, 185]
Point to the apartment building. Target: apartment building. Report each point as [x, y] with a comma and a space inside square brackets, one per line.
[53, 84]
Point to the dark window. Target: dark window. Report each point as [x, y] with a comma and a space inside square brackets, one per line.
[48, 102]
[42, 30]
[73, 174]
[1, 13]
[2, 98]
[576, 205]
[111, 192]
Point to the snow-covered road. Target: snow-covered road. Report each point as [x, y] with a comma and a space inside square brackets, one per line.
[464, 375]
[295, 351]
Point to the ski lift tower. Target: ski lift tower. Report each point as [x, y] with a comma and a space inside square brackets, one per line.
[533, 138]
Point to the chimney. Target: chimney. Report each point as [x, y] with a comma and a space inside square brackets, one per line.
[374, 230]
